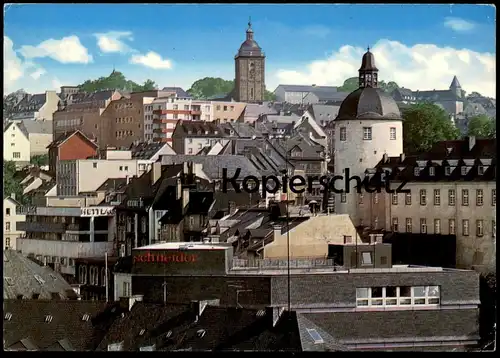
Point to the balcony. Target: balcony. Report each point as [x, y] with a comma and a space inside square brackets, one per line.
[161, 130]
[162, 140]
[57, 228]
[171, 111]
[196, 113]
[72, 249]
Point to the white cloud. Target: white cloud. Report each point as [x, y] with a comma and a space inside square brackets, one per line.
[459, 25]
[66, 50]
[152, 60]
[419, 67]
[38, 73]
[56, 84]
[110, 42]
[13, 68]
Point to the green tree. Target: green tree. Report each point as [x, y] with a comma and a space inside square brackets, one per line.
[10, 184]
[40, 160]
[116, 80]
[481, 126]
[209, 87]
[350, 85]
[269, 96]
[424, 124]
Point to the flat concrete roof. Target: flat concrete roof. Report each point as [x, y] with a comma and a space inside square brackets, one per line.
[184, 246]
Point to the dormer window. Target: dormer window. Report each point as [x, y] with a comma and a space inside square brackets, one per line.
[464, 170]
[432, 171]
[416, 171]
[447, 170]
[480, 170]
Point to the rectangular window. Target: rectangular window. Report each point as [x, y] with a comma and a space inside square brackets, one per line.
[343, 134]
[423, 226]
[397, 296]
[7, 226]
[437, 226]
[366, 258]
[451, 226]
[375, 198]
[367, 133]
[479, 228]
[465, 227]
[393, 133]
[437, 197]
[7, 212]
[343, 198]
[16, 155]
[395, 224]
[394, 199]
[465, 197]
[408, 199]
[126, 289]
[479, 197]
[432, 171]
[447, 171]
[423, 197]
[416, 171]
[409, 225]
[451, 197]
[493, 197]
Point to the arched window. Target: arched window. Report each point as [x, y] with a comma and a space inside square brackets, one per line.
[251, 93]
[82, 271]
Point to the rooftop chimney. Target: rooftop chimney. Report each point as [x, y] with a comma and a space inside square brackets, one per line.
[178, 195]
[185, 199]
[402, 157]
[386, 157]
[277, 231]
[155, 172]
[127, 178]
[472, 142]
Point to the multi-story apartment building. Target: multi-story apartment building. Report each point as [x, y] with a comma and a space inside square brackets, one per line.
[225, 112]
[168, 111]
[190, 137]
[123, 120]
[37, 106]
[452, 192]
[10, 219]
[86, 175]
[16, 144]
[83, 111]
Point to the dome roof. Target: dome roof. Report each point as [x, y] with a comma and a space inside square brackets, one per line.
[369, 103]
[250, 47]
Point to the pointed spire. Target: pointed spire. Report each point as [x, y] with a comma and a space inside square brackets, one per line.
[368, 48]
[455, 83]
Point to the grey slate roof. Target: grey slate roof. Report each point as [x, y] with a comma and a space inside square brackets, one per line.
[213, 164]
[329, 95]
[31, 103]
[145, 150]
[329, 343]
[323, 112]
[36, 127]
[455, 83]
[302, 88]
[23, 276]
[178, 91]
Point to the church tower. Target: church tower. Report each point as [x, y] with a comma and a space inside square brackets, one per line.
[249, 71]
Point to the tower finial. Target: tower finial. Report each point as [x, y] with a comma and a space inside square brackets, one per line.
[249, 22]
[368, 48]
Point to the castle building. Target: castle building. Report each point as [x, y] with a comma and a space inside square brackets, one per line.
[249, 71]
[367, 126]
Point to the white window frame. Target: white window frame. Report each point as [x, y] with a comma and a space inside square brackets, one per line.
[343, 197]
[423, 226]
[343, 134]
[423, 197]
[432, 171]
[479, 197]
[395, 225]
[465, 227]
[452, 227]
[367, 133]
[437, 197]
[451, 197]
[479, 227]
[437, 226]
[409, 225]
[408, 199]
[392, 133]
[431, 297]
[465, 197]
[394, 199]
[416, 171]
[493, 197]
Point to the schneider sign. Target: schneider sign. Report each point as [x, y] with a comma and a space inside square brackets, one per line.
[98, 211]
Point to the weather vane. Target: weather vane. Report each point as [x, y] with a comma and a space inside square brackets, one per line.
[249, 21]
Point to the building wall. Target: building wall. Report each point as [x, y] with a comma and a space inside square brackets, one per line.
[10, 219]
[357, 154]
[193, 145]
[148, 122]
[296, 97]
[76, 176]
[14, 141]
[122, 283]
[123, 121]
[39, 143]
[75, 147]
[50, 106]
[227, 111]
[248, 89]
[311, 238]
[472, 250]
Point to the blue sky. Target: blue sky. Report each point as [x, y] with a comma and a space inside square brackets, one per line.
[177, 44]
